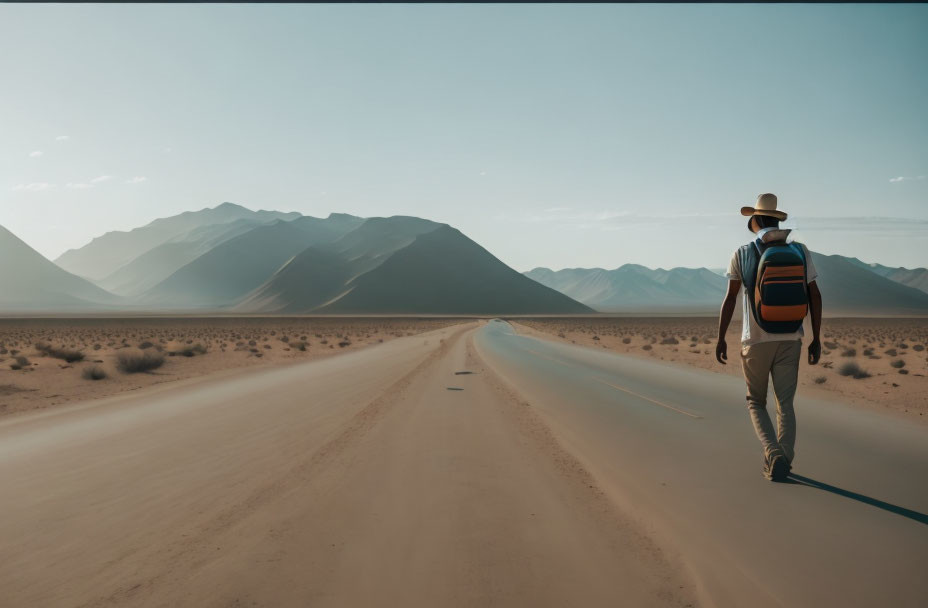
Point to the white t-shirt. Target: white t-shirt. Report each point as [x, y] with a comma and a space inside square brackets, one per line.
[751, 333]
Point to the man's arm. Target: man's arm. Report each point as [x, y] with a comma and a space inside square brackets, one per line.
[815, 305]
[728, 309]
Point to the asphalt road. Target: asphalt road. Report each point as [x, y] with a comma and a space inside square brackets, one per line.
[676, 446]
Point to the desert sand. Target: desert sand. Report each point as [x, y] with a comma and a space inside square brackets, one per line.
[190, 347]
[891, 350]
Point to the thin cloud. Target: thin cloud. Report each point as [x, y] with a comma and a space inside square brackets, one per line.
[35, 154]
[901, 178]
[63, 138]
[33, 187]
[101, 179]
[79, 185]
[138, 179]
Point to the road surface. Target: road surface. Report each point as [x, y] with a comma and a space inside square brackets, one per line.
[548, 476]
[676, 446]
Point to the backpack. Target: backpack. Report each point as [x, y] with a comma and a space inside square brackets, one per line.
[775, 276]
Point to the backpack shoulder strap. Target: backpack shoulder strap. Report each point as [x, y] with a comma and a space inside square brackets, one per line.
[800, 251]
[748, 256]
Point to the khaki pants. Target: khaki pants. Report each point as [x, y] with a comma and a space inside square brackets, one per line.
[780, 360]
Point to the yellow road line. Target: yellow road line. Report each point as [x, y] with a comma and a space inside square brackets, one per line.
[654, 401]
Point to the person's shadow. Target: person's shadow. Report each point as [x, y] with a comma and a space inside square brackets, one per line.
[812, 483]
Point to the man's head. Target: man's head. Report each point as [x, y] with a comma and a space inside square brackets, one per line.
[759, 222]
[764, 214]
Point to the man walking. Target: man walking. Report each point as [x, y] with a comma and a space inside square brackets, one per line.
[779, 289]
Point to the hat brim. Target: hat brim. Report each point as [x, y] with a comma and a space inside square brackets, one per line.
[780, 215]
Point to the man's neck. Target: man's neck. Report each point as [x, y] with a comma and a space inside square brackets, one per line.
[763, 232]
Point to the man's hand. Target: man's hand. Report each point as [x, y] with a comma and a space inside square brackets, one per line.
[721, 351]
[815, 351]
[728, 308]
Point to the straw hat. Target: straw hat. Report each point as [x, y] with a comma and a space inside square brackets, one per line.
[766, 205]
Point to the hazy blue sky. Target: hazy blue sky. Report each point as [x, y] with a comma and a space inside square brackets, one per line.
[554, 135]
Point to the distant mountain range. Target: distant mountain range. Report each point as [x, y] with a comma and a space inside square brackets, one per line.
[106, 254]
[30, 283]
[849, 287]
[232, 259]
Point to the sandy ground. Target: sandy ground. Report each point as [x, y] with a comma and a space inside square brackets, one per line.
[360, 480]
[229, 344]
[875, 345]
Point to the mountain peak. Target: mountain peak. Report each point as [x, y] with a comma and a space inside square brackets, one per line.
[229, 207]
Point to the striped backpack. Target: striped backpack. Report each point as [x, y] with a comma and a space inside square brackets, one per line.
[775, 273]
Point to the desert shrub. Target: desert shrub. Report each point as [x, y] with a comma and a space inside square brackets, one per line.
[65, 354]
[145, 344]
[849, 352]
[626, 340]
[190, 351]
[596, 338]
[94, 372]
[670, 340]
[301, 346]
[139, 361]
[898, 363]
[902, 345]
[903, 371]
[345, 343]
[646, 347]
[830, 345]
[868, 352]
[820, 380]
[852, 369]
[19, 363]
[918, 348]
[891, 352]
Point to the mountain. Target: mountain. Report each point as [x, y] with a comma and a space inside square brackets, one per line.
[31, 283]
[911, 277]
[319, 273]
[158, 263]
[236, 266]
[849, 287]
[104, 255]
[636, 288]
[404, 265]
[444, 271]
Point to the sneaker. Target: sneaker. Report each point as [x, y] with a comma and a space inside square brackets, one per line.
[779, 468]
